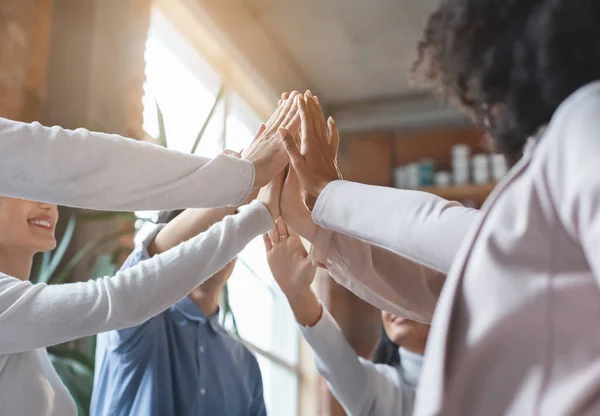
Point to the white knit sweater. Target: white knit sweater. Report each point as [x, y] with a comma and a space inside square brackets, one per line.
[101, 171]
[84, 169]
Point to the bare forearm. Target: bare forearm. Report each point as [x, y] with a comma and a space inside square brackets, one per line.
[187, 225]
[306, 307]
[302, 223]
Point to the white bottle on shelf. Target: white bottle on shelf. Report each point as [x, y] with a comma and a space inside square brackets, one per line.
[499, 166]
[460, 164]
[412, 176]
[481, 171]
[442, 179]
[400, 178]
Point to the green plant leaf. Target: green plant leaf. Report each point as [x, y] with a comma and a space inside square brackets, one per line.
[102, 215]
[228, 311]
[78, 378]
[211, 113]
[104, 266]
[40, 262]
[62, 276]
[162, 131]
[256, 276]
[58, 254]
[74, 354]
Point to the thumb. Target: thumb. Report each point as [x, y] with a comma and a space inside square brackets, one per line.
[231, 153]
[290, 147]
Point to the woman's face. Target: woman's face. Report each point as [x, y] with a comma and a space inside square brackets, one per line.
[404, 332]
[27, 225]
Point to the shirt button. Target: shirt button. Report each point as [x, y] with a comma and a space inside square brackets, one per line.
[203, 391]
[201, 348]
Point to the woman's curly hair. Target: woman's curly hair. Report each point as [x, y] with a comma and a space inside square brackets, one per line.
[510, 63]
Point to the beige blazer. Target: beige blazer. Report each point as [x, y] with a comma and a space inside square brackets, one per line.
[514, 330]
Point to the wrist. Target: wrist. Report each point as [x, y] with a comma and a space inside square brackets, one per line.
[306, 307]
[298, 295]
[321, 187]
[301, 222]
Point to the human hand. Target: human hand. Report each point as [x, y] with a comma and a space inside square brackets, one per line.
[289, 262]
[294, 124]
[270, 196]
[293, 210]
[316, 161]
[265, 152]
[253, 192]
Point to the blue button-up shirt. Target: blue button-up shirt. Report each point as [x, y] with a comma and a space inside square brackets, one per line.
[176, 364]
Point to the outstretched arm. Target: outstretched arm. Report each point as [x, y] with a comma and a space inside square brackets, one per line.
[38, 315]
[100, 171]
[389, 281]
[415, 225]
[360, 386]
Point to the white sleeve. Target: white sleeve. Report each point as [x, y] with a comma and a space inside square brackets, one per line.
[416, 225]
[36, 316]
[108, 172]
[380, 277]
[359, 385]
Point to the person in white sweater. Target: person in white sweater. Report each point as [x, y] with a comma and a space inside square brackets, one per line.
[33, 317]
[82, 169]
[363, 388]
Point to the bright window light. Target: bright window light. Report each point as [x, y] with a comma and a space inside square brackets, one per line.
[185, 87]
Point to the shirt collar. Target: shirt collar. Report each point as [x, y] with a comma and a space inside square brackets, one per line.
[192, 312]
[410, 366]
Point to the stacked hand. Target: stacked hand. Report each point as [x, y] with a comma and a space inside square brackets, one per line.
[294, 273]
[296, 134]
[312, 151]
[265, 152]
[315, 162]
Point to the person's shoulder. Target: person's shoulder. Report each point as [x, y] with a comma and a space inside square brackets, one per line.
[236, 346]
[572, 139]
[579, 108]
[126, 340]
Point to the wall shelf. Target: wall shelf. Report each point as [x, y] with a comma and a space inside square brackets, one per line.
[475, 193]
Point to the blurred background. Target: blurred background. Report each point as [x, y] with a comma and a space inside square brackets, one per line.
[199, 76]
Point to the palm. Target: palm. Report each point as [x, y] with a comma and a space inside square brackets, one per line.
[265, 152]
[316, 161]
[290, 264]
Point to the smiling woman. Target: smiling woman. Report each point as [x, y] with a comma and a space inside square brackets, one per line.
[27, 228]
[36, 316]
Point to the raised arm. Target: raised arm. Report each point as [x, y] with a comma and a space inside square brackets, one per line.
[35, 316]
[100, 171]
[416, 225]
[384, 279]
[360, 386]
[189, 223]
[413, 224]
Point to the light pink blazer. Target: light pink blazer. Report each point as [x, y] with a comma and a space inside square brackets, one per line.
[406, 279]
[515, 329]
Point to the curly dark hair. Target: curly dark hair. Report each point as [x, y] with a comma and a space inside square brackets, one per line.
[510, 63]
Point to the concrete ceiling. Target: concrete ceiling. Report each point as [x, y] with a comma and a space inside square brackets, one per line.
[352, 53]
[349, 50]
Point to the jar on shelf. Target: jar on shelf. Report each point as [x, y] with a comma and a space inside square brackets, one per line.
[442, 179]
[412, 176]
[481, 173]
[460, 164]
[400, 180]
[499, 166]
[426, 173]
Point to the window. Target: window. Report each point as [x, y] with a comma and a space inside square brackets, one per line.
[186, 89]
